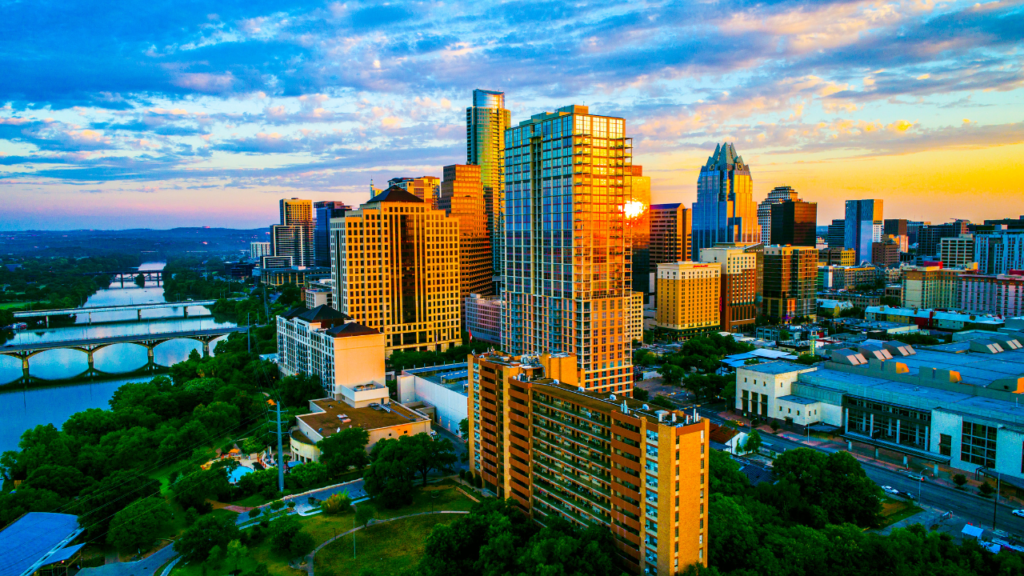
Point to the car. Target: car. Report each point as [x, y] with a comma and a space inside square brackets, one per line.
[913, 476]
[1018, 513]
[890, 490]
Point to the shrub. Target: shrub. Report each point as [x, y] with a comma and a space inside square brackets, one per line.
[960, 480]
[462, 474]
[986, 489]
[276, 505]
[255, 512]
[337, 504]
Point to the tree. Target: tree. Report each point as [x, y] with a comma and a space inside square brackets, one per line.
[809, 359]
[753, 443]
[960, 480]
[219, 416]
[725, 476]
[193, 490]
[309, 474]
[424, 454]
[196, 542]
[671, 374]
[464, 428]
[140, 280]
[299, 389]
[14, 504]
[66, 481]
[345, 449]
[662, 401]
[283, 534]
[253, 445]
[986, 489]
[114, 493]
[835, 484]
[138, 525]
[389, 478]
[641, 394]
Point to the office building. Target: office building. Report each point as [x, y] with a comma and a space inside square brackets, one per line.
[931, 287]
[293, 237]
[999, 294]
[895, 227]
[259, 249]
[836, 237]
[426, 188]
[671, 231]
[846, 277]
[1007, 223]
[483, 318]
[688, 298]
[558, 451]
[790, 276]
[914, 231]
[486, 122]
[999, 252]
[886, 252]
[794, 223]
[778, 195]
[738, 293]
[324, 211]
[300, 276]
[635, 316]
[568, 263]
[725, 210]
[638, 226]
[957, 252]
[462, 198]
[930, 236]
[959, 403]
[395, 266]
[837, 257]
[319, 293]
[863, 226]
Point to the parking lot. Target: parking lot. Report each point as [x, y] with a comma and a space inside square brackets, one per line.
[655, 387]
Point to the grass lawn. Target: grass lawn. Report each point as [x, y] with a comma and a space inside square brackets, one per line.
[389, 549]
[894, 510]
[7, 305]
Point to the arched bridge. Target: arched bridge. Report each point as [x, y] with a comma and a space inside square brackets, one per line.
[89, 311]
[92, 345]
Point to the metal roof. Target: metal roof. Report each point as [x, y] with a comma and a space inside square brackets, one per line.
[26, 544]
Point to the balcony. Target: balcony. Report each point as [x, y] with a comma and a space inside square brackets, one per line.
[572, 489]
[564, 422]
[586, 470]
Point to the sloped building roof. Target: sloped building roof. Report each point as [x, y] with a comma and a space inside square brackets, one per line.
[395, 194]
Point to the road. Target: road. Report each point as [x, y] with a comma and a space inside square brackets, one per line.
[144, 567]
[966, 505]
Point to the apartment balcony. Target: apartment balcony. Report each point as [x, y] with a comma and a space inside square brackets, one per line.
[541, 449]
[562, 503]
[566, 422]
[651, 484]
[584, 482]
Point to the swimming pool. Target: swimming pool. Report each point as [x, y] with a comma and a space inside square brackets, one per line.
[237, 474]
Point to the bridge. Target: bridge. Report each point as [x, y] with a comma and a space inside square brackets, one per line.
[149, 275]
[118, 308]
[91, 345]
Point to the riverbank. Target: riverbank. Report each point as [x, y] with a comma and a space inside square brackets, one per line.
[144, 373]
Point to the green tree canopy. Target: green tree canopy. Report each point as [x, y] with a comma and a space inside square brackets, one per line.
[344, 450]
[138, 525]
[196, 542]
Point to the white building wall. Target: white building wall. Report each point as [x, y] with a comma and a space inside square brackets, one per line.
[450, 407]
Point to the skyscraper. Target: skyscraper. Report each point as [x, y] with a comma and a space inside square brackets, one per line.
[725, 210]
[293, 237]
[790, 279]
[638, 225]
[737, 298]
[794, 223]
[863, 226]
[567, 271]
[395, 266]
[837, 234]
[764, 210]
[325, 210]
[486, 122]
[462, 198]
[671, 231]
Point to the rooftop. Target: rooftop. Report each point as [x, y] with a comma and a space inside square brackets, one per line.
[395, 194]
[776, 368]
[337, 416]
[451, 376]
[30, 540]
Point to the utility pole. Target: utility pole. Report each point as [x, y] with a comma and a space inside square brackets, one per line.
[280, 451]
[995, 503]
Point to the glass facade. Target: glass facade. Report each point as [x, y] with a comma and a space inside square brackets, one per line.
[725, 210]
[486, 122]
[978, 444]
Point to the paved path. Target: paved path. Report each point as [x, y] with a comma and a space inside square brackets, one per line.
[145, 567]
[311, 558]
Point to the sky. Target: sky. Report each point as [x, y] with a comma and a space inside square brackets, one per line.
[179, 113]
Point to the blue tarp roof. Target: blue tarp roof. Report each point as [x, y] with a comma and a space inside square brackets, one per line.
[29, 539]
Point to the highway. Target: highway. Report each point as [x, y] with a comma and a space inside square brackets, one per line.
[966, 505]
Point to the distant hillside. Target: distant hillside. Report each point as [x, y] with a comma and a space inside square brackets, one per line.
[149, 244]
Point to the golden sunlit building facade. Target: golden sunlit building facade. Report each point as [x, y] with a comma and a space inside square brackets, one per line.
[426, 188]
[737, 299]
[688, 298]
[592, 459]
[567, 260]
[790, 282]
[486, 122]
[462, 198]
[395, 267]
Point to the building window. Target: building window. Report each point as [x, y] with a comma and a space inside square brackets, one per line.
[978, 444]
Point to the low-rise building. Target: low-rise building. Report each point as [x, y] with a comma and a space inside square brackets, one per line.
[327, 416]
[930, 287]
[319, 293]
[298, 275]
[837, 257]
[1001, 294]
[957, 251]
[443, 388]
[259, 249]
[833, 308]
[846, 277]
[929, 318]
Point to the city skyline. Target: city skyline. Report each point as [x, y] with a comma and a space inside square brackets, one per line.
[181, 119]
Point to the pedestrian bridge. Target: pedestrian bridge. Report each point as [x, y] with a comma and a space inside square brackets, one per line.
[91, 345]
[89, 311]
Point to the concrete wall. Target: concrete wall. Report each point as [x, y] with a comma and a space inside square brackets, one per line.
[450, 407]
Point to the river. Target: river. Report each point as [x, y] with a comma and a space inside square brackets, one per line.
[23, 409]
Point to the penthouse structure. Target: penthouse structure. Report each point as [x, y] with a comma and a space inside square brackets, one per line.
[591, 459]
[956, 404]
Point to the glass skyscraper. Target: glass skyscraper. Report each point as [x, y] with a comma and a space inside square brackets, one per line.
[864, 225]
[725, 210]
[567, 254]
[486, 122]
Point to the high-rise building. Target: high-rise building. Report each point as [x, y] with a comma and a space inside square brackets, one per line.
[259, 249]
[635, 316]
[591, 459]
[483, 318]
[567, 257]
[671, 229]
[764, 210]
[737, 297]
[931, 287]
[1001, 294]
[794, 223]
[688, 298]
[790, 278]
[725, 210]
[886, 252]
[831, 277]
[836, 237]
[324, 211]
[486, 122]
[836, 257]
[914, 229]
[426, 188]
[395, 266]
[895, 227]
[638, 226]
[293, 237]
[863, 226]
[957, 252]
[999, 252]
[929, 237]
[462, 198]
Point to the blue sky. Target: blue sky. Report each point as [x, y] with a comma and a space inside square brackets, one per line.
[162, 114]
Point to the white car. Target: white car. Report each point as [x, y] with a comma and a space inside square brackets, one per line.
[1018, 513]
[917, 477]
[890, 490]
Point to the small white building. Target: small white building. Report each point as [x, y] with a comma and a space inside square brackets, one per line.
[441, 387]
